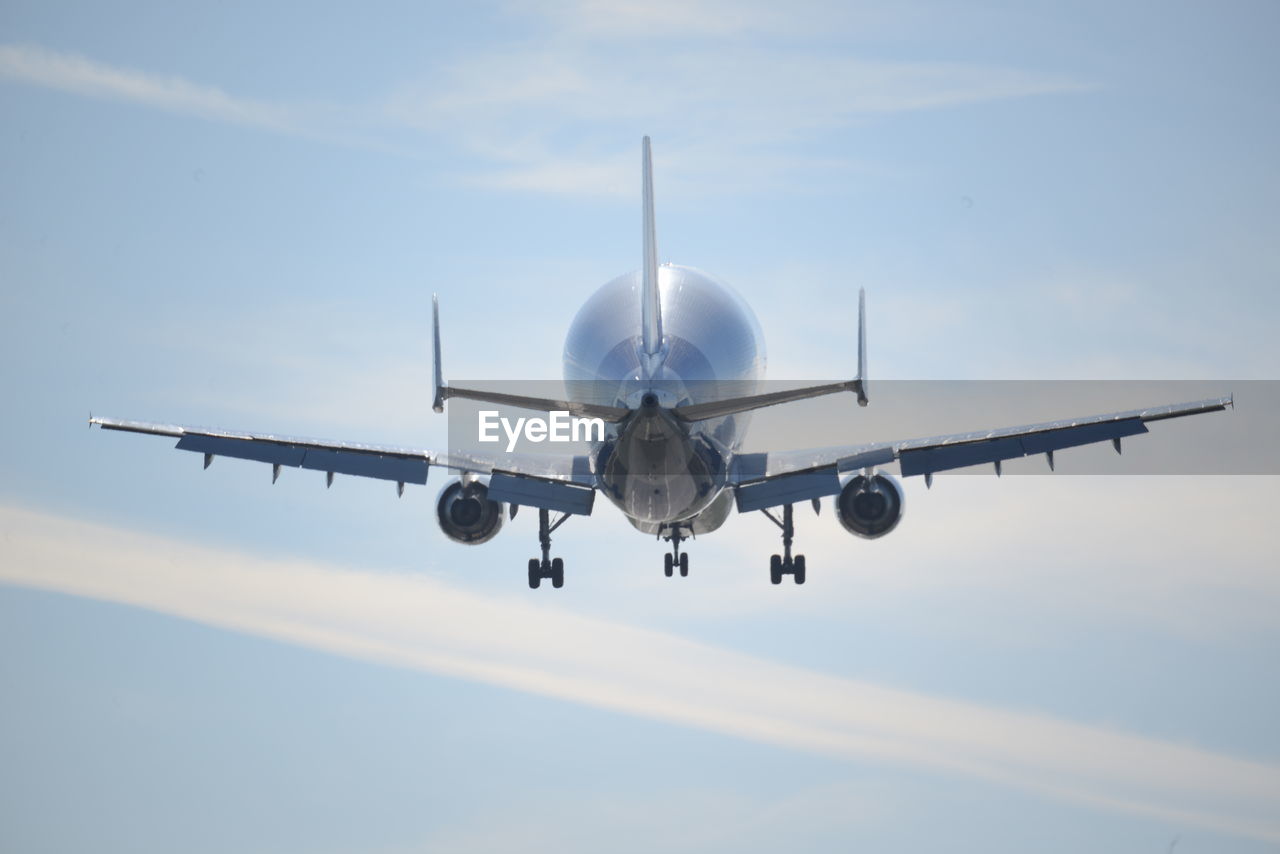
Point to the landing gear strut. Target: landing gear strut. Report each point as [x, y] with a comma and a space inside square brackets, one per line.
[548, 567]
[674, 558]
[785, 564]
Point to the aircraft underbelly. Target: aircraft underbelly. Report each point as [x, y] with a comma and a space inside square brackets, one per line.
[656, 472]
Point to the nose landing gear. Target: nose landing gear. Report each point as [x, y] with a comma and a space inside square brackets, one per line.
[675, 558]
[785, 564]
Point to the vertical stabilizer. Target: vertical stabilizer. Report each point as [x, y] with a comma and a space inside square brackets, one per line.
[650, 305]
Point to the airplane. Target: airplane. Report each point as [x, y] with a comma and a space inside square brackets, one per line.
[648, 359]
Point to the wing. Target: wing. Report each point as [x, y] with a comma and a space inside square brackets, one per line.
[564, 483]
[773, 478]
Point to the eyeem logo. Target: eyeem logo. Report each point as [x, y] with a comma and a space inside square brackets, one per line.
[560, 427]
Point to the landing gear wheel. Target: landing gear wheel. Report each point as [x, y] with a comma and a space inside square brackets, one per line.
[548, 567]
[674, 533]
[785, 563]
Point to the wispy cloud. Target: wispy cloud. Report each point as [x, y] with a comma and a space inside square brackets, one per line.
[69, 72]
[722, 85]
[721, 111]
[725, 87]
[349, 125]
[418, 623]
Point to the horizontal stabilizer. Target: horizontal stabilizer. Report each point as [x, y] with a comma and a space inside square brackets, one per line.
[441, 392]
[734, 405]
[537, 404]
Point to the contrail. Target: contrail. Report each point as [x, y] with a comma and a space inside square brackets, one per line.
[423, 624]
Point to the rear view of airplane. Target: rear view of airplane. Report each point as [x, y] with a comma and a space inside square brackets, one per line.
[648, 358]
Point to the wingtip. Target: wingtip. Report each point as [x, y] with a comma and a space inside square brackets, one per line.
[437, 372]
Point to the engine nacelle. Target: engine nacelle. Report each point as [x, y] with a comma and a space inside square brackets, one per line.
[466, 514]
[870, 507]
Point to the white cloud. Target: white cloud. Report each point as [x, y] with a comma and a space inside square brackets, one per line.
[349, 125]
[720, 112]
[1103, 547]
[421, 624]
[69, 72]
[561, 110]
[722, 86]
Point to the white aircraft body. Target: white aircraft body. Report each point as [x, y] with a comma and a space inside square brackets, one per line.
[657, 361]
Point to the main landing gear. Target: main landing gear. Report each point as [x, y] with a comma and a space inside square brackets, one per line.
[548, 567]
[785, 564]
[674, 558]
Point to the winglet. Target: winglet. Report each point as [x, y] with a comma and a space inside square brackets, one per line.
[437, 380]
[650, 304]
[861, 388]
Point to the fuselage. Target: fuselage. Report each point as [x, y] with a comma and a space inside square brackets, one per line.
[657, 469]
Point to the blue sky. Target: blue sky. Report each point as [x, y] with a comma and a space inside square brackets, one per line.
[236, 215]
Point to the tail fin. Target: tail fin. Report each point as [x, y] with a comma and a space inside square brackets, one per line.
[650, 305]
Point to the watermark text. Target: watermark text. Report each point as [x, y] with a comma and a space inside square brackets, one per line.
[560, 426]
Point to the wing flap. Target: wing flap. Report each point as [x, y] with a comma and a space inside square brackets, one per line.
[945, 457]
[243, 449]
[958, 450]
[929, 460]
[787, 489]
[556, 495]
[541, 477]
[367, 465]
[1084, 434]
[358, 463]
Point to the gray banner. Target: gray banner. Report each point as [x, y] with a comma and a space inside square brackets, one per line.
[1238, 441]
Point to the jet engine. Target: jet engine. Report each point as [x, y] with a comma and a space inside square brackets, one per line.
[466, 514]
[870, 507]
